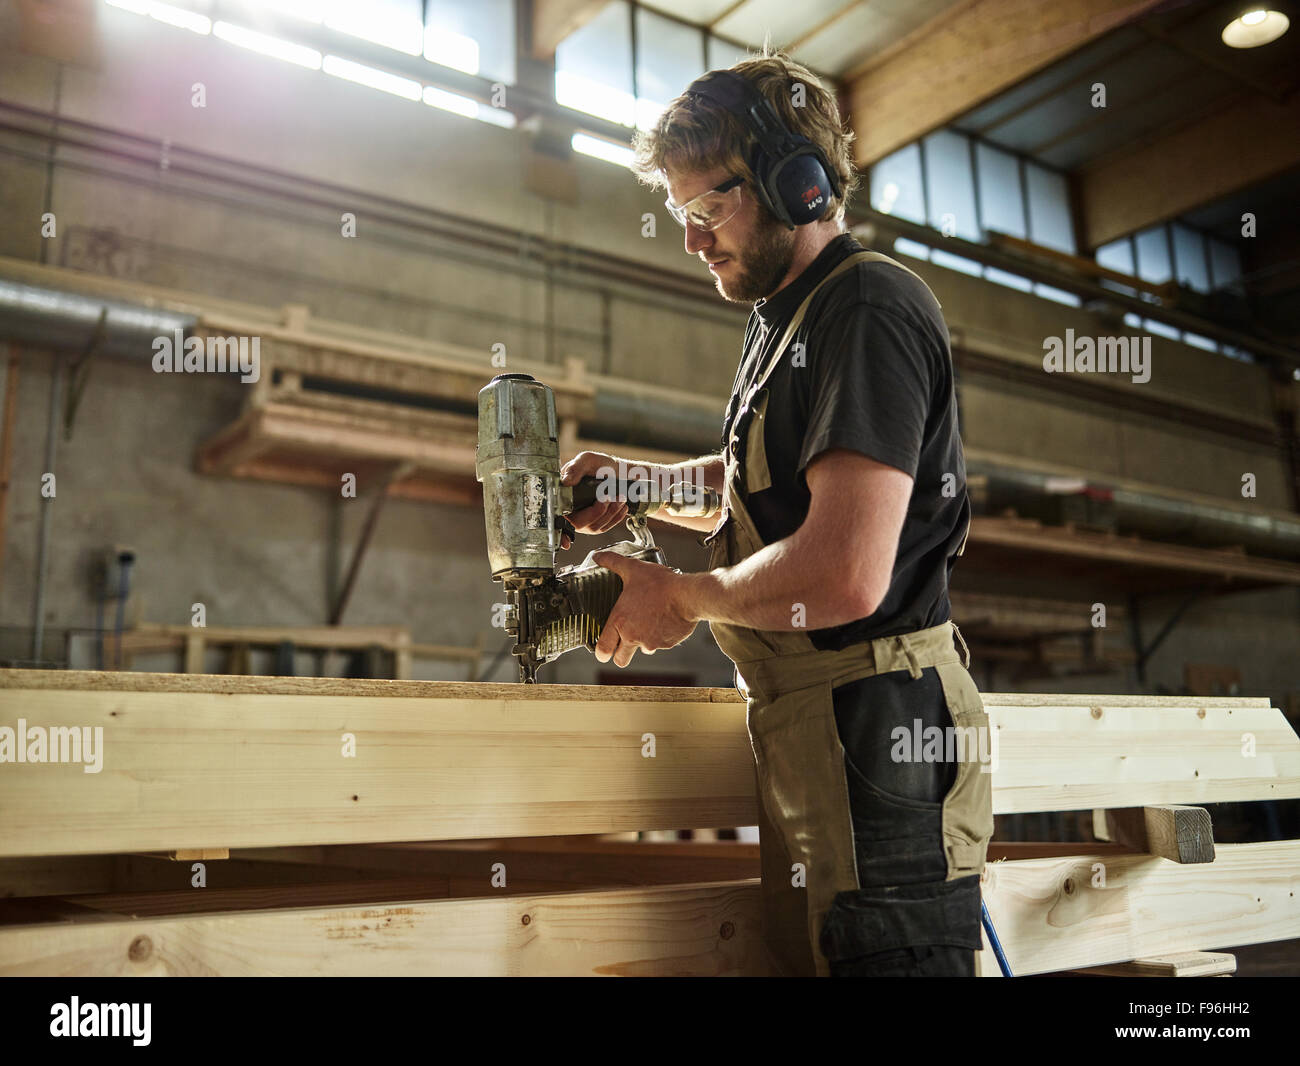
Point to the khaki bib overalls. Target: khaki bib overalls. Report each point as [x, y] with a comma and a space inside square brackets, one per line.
[806, 836]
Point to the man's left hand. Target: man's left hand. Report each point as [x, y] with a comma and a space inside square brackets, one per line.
[648, 616]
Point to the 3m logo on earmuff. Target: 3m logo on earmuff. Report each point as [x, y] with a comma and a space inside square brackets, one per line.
[813, 197]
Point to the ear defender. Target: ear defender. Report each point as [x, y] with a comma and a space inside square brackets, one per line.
[794, 179]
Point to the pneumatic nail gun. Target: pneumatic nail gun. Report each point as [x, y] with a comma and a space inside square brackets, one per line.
[526, 509]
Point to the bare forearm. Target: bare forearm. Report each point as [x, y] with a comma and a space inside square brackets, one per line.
[786, 586]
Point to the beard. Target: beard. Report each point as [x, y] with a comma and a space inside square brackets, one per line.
[762, 265]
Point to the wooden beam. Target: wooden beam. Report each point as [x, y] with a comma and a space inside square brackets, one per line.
[554, 20]
[243, 763]
[1173, 832]
[968, 54]
[691, 930]
[586, 861]
[193, 761]
[1071, 753]
[1218, 154]
[1051, 915]
[1057, 914]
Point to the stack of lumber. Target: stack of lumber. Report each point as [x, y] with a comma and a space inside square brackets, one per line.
[401, 827]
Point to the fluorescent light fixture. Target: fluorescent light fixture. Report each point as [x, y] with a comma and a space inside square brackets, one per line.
[450, 49]
[454, 102]
[1254, 28]
[592, 98]
[173, 16]
[267, 45]
[376, 79]
[599, 148]
[402, 33]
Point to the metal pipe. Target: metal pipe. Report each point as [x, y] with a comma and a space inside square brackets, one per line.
[1142, 512]
[52, 318]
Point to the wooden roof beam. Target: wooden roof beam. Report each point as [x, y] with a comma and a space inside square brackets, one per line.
[968, 54]
[1221, 153]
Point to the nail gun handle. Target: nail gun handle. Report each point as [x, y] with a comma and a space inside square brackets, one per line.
[641, 501]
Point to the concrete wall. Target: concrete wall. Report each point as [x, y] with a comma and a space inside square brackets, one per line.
[255, 553]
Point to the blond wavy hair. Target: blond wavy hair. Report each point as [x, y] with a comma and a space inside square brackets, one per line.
[695, 134]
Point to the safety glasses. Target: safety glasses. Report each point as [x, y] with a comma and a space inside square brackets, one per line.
[710, 209]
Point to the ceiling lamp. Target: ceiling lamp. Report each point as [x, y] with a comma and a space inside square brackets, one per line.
[1255, 27]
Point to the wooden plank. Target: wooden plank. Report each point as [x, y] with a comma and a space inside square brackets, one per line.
[1052, 914]
[240, 770]
[1166, 291]
[1125, 551]
[257, 762]
[967, 54]
[1102, 751]
[77, 875]
[1178, 833]
[1180, 964]
[692, 930]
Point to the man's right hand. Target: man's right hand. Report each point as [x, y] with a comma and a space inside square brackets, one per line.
[601, 516]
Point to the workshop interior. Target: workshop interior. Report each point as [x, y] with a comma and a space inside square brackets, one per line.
[304, 307]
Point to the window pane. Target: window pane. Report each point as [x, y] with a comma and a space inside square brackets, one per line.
[1160, 329]
[1012, 281]
[1049, 209]
[907, 246]
[1153, 256]
[1000, 203]
[1225, 263]
[955, 262]
[1118, 255]
[490, 24]
[393, 23]
[1060, 296]
[670, 56]
[896, 185]
[1189, 259]
[724, 54]
[593, 67]
[951, 185]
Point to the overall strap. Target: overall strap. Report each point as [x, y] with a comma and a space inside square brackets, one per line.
[797, 320]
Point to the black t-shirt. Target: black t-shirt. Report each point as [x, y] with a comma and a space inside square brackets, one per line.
[876, 378]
